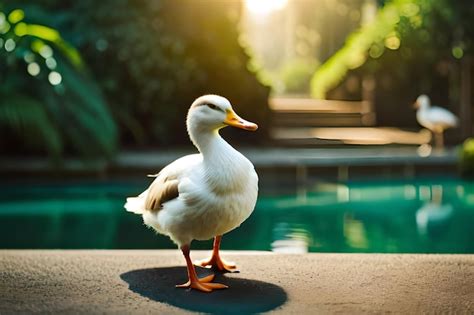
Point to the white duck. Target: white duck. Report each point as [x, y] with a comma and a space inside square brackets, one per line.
[436, 119]
[203, 195]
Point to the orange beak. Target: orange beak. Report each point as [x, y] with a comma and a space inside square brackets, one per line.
[416, 105]
[232, 119]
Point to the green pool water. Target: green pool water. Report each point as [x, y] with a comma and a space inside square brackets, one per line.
[384, 216]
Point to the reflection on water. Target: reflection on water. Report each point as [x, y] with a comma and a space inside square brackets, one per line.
[354, 232]
[427, 216]
[291, 238]
[433, 212]
[405, 216]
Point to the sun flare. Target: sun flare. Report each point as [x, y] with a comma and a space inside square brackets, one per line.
[263, 7]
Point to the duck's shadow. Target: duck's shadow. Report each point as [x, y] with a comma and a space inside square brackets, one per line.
[243, 295]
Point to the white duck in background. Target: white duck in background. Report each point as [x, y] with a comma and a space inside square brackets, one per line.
[203, 195]
[436, 119]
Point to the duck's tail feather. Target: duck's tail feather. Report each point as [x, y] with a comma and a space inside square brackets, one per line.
[135, 205]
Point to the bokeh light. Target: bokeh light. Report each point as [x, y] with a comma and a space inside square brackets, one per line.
[21, 29]
[33, 69]
[46, 52]
[16, 16]
[10, 45]
[376, 51]
[54, 78]
[457, 52]
[101, 44]
[392, 42]
[4, 25]
[51, 63]
[29, 57]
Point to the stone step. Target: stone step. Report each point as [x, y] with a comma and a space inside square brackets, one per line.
[308, 105]
[317, 120]
[349, 135]
[307, 112]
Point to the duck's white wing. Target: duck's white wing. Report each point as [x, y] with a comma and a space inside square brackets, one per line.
[442, 117]
[165, 187]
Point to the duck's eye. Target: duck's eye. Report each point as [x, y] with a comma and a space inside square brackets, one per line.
[212, 106]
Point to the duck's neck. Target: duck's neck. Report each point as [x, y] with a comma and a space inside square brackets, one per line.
[224, 167]
[424, 107]
[210, 144]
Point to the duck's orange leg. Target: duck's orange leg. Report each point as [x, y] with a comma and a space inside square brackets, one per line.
[203, 284]
[216, 261]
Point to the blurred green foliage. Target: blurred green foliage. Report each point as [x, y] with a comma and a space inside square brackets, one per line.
[405, 36]
[48, 101]
[467, 157]
[153, 58]
[295, 75]
[368, 40]
[150, 60]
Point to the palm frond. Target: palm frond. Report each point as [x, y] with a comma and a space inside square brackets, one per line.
[66, 102]
[27, 118]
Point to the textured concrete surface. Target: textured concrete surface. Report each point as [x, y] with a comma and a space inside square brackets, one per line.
[143, 282]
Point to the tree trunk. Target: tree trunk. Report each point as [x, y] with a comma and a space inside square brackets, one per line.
[465, 112]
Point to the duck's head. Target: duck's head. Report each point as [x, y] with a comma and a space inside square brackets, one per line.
[213, 112]
[423, 101]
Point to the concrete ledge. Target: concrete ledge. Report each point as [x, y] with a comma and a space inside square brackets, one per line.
[260, 157]
[126, 281]
[320, 157]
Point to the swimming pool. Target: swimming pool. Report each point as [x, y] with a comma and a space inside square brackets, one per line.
[419, 215]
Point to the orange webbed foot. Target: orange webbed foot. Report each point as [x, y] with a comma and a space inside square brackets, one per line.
[217, 263]
[203, 284]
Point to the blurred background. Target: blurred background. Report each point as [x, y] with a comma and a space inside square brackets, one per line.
[94, 94]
